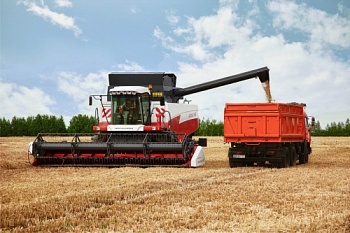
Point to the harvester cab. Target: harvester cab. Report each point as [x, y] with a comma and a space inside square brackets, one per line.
[148, 107]
[127, 106]
[142, 123]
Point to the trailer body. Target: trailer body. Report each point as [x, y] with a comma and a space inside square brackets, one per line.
[273, 133]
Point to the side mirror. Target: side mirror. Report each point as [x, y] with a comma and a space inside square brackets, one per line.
[162, 101]
[90, 100]
[313, 122]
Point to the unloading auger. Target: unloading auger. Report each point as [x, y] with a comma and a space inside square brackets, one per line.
[142, 123]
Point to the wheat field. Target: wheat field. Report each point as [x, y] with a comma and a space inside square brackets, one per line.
[214, 198]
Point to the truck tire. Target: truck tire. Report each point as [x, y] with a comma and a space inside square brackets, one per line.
[249, 164]
[234, 163]
[293, 156]
[285, 158]
[304, 156]
[231, 162]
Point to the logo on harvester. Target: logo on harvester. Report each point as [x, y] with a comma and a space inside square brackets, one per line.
[106, 112]
[192, 115]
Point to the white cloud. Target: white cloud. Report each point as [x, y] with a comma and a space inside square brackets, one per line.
[171, 17]
[223, 28]
[21, 101]
[134, 10]
[344, 10]
[229, 3]
[79, 87]
[55, 18]
[165, 39]
[130, 66]
[319, 25]
[201, 36]
[180, 31]
[226, 43]
[64, 3]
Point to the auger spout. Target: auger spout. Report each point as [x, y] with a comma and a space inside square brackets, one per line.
[261, 73]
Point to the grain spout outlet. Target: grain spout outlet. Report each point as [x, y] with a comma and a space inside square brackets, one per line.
[266, 86]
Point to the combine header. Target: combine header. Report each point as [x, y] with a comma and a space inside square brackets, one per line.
[142, 124]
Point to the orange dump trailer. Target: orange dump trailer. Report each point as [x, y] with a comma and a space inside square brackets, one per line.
[267, 133]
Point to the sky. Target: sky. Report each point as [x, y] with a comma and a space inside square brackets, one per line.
[56, 53]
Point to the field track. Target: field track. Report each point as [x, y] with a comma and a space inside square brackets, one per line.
[215, 198]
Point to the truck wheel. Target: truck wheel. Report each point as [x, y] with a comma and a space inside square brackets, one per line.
[249, 164]
[234, 163]
[231, 163]
[285, 158]
[304, 156]
[293, 156]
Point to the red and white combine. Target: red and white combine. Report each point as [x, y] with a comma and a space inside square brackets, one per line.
[142, 124]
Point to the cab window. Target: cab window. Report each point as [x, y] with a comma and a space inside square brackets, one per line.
[130, 109]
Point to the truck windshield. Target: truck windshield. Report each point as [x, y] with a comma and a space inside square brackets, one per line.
[130, 109]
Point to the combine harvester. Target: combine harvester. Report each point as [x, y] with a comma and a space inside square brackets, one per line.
[142, 124]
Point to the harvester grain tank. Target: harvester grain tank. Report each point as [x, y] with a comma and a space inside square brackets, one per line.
[267, 133]
[140, 122]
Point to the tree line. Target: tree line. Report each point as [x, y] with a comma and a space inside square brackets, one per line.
[31, 126]
[210, 128]
[333, 129]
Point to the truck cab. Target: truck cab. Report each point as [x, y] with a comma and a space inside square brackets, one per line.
[308, 126]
